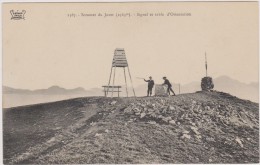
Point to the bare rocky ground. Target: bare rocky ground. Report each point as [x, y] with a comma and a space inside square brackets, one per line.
[202, 127]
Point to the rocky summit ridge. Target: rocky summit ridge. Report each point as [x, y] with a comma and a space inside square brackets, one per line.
[202, 127]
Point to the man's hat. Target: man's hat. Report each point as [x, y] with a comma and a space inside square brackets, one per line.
[164, 77]
[150, 77]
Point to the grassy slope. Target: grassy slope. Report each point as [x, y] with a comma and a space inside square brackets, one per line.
[91, 130]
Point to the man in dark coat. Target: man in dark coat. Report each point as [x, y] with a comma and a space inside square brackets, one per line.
[169, 86]
[150, 86]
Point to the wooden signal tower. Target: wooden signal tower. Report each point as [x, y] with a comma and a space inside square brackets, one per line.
[119, 61]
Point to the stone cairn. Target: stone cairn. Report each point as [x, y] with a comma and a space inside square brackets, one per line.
[160, 90]
[207, 84]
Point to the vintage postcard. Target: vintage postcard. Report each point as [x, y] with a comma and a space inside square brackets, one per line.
[130, 82]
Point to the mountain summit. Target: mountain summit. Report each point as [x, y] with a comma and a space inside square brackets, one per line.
[202, 127]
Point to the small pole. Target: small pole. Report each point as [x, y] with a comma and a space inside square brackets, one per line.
[206, 65]
[118, 90]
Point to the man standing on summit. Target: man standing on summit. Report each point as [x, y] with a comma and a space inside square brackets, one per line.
[150, 86]
[169, 88]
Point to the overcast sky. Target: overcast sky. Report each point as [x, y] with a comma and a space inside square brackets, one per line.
[49, 48]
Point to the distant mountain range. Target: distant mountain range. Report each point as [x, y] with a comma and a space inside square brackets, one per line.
[53, 90]
[16, 97]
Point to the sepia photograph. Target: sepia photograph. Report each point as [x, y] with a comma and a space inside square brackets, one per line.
[130, 82]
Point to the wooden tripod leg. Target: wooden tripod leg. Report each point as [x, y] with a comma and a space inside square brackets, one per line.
[131, 80]
[113, 81]
[125, 84]
[106, 92]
